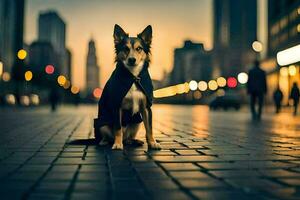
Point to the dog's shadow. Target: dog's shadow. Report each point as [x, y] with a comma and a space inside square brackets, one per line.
[90, 141]
[93, 141]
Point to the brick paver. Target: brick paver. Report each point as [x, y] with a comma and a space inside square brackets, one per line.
[205, 155]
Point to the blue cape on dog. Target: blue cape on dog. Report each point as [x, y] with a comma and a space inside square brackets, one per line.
[115, 90]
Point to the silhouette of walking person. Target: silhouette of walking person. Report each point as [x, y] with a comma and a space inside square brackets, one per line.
[53, 98]
[295, 94]
[257, 88]
[277, 97]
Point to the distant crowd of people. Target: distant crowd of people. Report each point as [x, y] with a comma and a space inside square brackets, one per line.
[257, 88]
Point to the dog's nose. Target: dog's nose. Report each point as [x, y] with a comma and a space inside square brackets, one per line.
[131, 61]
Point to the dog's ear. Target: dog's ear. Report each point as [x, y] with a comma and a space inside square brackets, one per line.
[146, 35]
[119, 34]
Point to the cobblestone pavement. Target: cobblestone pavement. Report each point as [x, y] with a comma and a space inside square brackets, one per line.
[206, 155]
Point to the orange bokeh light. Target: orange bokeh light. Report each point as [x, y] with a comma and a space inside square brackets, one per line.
[97, 93]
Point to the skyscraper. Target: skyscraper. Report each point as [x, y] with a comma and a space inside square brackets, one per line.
[191, 62]
[11, 31]
[235, 29]
[92, 68]
[52, 29]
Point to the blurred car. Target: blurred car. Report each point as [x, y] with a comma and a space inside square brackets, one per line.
[225, 102]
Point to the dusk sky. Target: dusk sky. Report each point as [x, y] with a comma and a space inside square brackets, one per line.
[172, 21]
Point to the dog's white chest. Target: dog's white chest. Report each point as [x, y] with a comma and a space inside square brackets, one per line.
[133, 99]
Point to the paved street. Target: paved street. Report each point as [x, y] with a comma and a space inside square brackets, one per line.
[206, 155]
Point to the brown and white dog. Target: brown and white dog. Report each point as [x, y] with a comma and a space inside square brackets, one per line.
[133, 52]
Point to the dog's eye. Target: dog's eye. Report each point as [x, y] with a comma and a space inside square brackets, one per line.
[139, 49]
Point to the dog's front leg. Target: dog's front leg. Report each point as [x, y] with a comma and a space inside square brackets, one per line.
[118, 134]
[147, 119]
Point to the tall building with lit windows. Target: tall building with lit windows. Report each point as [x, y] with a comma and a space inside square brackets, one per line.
[92, 69]
[235, 29]
[283, 25]
[283, 33]
[11, 31]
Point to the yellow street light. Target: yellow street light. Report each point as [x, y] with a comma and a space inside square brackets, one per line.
[28, 75]
[61, 80]
[221, 81]
[22, 54]
[212, 85]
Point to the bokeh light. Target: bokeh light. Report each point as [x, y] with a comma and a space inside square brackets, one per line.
[193, 85]
[165, 92]
[61, 80]
[35, 99]
[1, 68]
[25, 100]
[284, 71]
[292, 70]
[212, 85]
[74, 89]
[289, 56]
[67, 84]
[202, 85]
[257, 46]
[97, 93]
[220, 92]
[221, 81]
[22, 54]
[6, 77]
[49, 69]
[231, 82]
[197, 95]
[10, 99]
[28, 75]
[182, 88]
[243, 77]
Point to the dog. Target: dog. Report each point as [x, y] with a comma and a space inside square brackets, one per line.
[131, 83]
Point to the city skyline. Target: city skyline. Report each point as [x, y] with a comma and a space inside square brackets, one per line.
[98, 18]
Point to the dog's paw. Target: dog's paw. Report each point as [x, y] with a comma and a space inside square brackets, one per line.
[154, 146]
[103, 142]
[117, 146]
